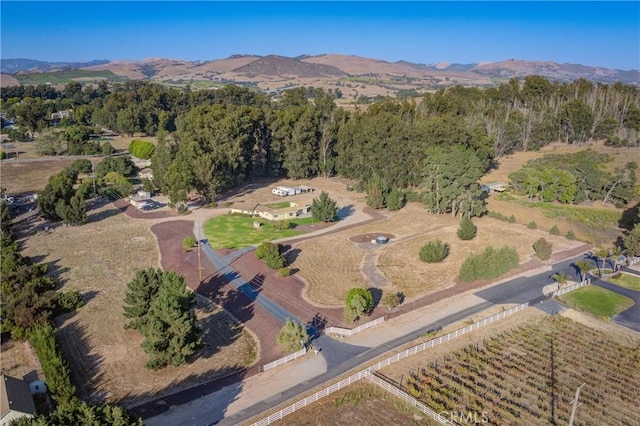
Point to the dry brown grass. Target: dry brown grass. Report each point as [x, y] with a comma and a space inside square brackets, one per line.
[99, 259]
[330, 265]
[29, 177]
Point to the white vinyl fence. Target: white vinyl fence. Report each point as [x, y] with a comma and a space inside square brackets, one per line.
[407, 398]
[570, 288]
[352, 331]
[284, 360]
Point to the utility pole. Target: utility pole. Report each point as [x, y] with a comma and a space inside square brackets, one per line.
[199, 248]
[575, 404]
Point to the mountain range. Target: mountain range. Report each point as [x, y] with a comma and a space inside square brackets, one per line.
[354, 75]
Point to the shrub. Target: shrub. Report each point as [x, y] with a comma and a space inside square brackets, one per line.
[281, 225]
[554, 230]
[359, 302]
[489, 264]
[68, 301]
[543, 249]
[467, 229]
[293, 335]
[391, 300]
[188, 243]
[394, 200]
[571, 235]
[270, 253]
[285, 272]
[412, 196]
[512, 219]
[532, 225]
[434, 251]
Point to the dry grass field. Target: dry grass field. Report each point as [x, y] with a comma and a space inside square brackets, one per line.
[330, 265]
[99, 259]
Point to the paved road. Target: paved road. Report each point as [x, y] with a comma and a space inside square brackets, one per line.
[221, 263]
[630, 317]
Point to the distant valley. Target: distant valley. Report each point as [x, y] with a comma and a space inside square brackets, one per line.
[353, 76]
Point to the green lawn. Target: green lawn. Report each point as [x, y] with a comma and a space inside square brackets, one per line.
[237, 231]
[597, 301]
[627, 281]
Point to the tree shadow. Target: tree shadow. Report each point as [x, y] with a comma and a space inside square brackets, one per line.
[222, 386]
[377, 296]
[630, 217]
[218, 289]
[102, 215]
[85, 369]
[218, 331]
[316, 326]
[345, 211]
[291, 255]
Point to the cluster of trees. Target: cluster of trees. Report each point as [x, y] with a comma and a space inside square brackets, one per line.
[64, 197]
[211, 140]
[159, 305]
[74, 140]
[28, 305]
[576, 178]
[28, 292]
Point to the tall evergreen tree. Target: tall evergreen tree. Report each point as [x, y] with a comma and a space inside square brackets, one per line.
[171, 333]
[140, 293]
[323, 208]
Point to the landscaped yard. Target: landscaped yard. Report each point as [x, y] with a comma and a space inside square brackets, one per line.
[237, 230]
[597, 301]
[627, 281]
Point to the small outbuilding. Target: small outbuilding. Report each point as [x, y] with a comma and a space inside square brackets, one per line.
[15, 400]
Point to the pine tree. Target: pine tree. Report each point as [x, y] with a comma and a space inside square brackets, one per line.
[140, 293]
[323, 208]
[632, 241]
[467, 229]
[170, 332]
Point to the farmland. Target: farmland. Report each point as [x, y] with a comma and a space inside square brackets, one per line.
[529, 374]
[67, 76]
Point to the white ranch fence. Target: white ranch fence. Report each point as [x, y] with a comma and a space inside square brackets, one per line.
[284, 360]
[352, 331]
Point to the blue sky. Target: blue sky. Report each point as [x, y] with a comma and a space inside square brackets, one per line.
[591, 33]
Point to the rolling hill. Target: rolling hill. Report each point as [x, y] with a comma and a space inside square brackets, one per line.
[355, 76]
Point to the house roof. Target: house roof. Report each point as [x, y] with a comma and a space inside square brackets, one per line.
[15, 396]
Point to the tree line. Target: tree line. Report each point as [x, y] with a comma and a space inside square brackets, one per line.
[437, 144]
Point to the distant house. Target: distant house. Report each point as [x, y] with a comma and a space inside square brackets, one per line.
[494, 187]
[57, 117]
[284, 191]
[15, 400]
[140, 200]
[294, 210]
[146, 173]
